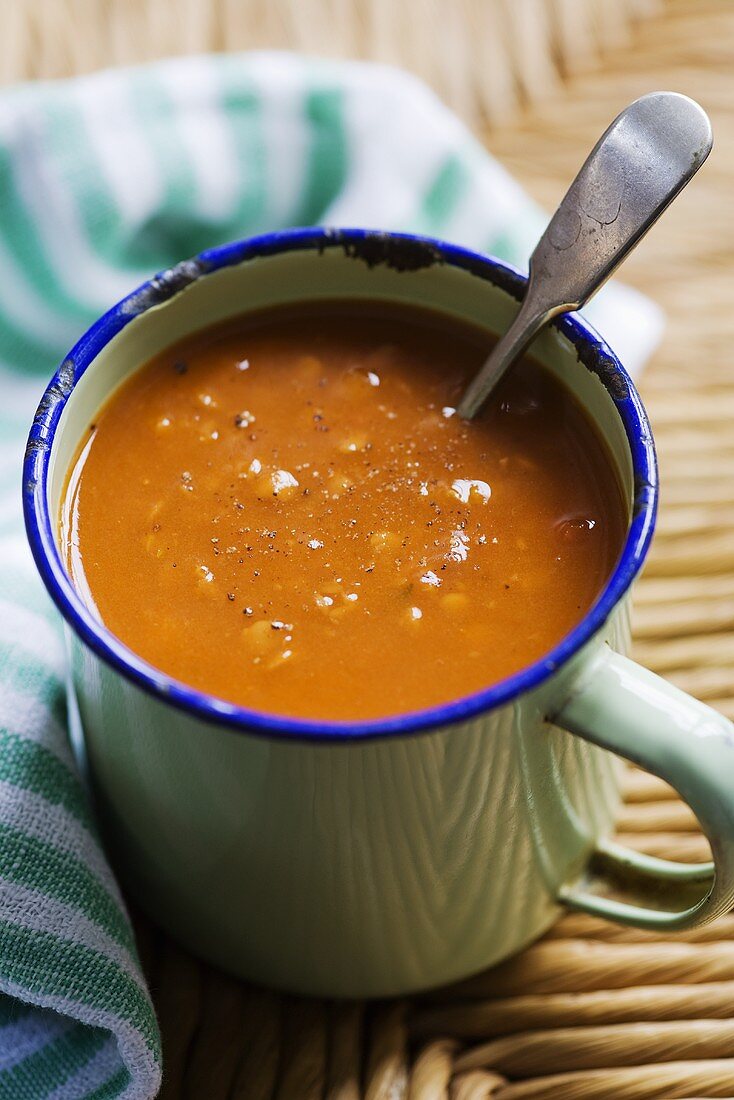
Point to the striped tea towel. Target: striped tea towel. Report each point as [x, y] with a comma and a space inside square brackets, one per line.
[103, 180]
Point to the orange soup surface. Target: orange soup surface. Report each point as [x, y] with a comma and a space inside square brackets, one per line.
[287, 513]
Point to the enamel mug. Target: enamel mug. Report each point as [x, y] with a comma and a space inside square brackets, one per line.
[380, 857]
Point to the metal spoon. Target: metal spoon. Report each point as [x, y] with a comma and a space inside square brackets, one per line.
[638, 166]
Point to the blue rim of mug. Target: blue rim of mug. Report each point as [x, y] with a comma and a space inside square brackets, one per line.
[406, 252]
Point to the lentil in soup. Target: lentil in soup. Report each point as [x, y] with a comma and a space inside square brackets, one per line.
[287, 513]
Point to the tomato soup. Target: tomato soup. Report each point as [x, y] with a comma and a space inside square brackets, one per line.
[287, 513]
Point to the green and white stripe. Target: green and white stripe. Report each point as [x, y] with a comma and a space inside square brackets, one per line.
[102, 181]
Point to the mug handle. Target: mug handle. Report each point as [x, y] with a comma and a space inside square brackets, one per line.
[618, 705]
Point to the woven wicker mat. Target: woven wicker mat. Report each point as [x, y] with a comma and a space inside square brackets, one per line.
[592, 1012]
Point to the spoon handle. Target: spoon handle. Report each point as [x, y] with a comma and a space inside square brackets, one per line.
[635, 170]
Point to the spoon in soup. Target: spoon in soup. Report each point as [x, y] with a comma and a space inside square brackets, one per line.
[635, 170]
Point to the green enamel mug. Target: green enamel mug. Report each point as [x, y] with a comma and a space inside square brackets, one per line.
[381, 857]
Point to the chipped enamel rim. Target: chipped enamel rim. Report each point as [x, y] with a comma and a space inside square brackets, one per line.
[406, 253]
